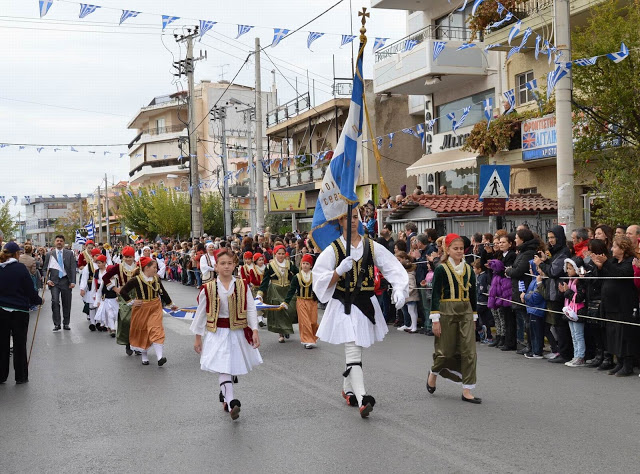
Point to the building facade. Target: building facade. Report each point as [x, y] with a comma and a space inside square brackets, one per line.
[42, 212]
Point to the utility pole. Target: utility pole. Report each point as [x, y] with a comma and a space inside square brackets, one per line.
[253, 201]
[564, 122]
[259, 158]
[186, 67]
[99, 216]
[220, 113]
[106, 206]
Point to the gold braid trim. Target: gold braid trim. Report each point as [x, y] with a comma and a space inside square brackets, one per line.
[237, 303]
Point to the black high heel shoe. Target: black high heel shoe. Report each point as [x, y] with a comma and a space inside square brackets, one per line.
[430, 389]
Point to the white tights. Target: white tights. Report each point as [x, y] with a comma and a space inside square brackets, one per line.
[158, 349]
[413, 312]
[226, 387]
[354, 382]
[92, 316]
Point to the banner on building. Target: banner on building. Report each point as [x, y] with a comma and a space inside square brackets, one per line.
[539, 138]
[287, 201]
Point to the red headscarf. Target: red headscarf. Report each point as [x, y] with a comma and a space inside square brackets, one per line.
[248, 256]
[277, 248]
[144, 261]
[450, 238]
[257, 256]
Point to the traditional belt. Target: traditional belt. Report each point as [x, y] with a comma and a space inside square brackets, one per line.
[248, 332]
[305, 298]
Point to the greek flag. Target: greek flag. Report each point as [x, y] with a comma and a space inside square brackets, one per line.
[487, 104]
[278, 35]
[420, 132]
[243, 29]
[126, 14]
[2, 145]
[499, 23]
[40, 148]
[532, 86]
[466, 46]
[409, 131]
[553, 77]
[620, 55]
[515, 29]
[391, 135]
[409, 45]
[167, 19]
[501, 9]
[474, 9]
[87, 9]
[122, 154]
[314, 35]
[339, 183]
[379, 43]
[77, 195]
[153, 192]
[21, 147]
[379, 142]
[28, 199]
[491, 46]
[205, 26]
[15, 199]
[586, 61]
[538, 40]
[431, 123]
[44, 7]
[79, 239]
[463, 6]
[52, 196]
[457, 125]
[2, 199]
[346, 39]
[73, 149]
[438, 47]
[91, 229]
[510, 95]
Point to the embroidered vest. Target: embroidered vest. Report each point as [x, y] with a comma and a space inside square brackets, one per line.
[90, 281]
[208, 276]
[305, 290]
[237, 305]
[278, 278]
[149, 291]
[124, 275]
[458, 284]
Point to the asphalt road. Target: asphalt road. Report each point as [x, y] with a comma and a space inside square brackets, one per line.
[90, 408]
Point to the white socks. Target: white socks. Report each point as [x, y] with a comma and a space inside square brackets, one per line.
[413, 312]
[92, 316]
[354, 382]
[158, 349]
[145, 356]
[226, 387]
[260, 318]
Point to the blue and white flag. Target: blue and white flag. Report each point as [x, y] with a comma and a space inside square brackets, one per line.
[501, 9]
[465, 113]
[338, 187]
[464, 5]
[487, 104]
[73, 149]
[2, 145]
[379, 43]
[474, 9]
[554, 76]
[510, 95]
[515, 29]
[105, 153]
[466, 46]
[129, 193]
[379, 141]
[438, 47]
[126, 14]
[153, 192]
[21, 147]
[391, 135]
[278, 35]
[620, 55]
[313, 35]
[538, 40]
[409, 45]
[409, 131]
[44, 7]
[40, 148]
[431, 123]
[52, 196]
[2, 199]
[167, 19]
[243, 29]
[586, 61]
[86, 9]
[517, 49]
[205, 26]
[79, 239]
[91, 229]
[491, 46]
[420, 132]
[15, 199]
[77, 195]
[57, 149]
[346, 39]
[28, 199]
[499, 23]
[532, 86]
[122, 154]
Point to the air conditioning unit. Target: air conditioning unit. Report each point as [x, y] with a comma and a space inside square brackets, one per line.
[239, 191]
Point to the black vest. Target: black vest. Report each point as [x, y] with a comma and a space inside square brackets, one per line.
[360, 279]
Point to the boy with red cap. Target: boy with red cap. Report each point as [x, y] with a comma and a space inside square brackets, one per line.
[245, 269]
[306, 302]
[86, 255]
[256, 273]
[453, 306]
[105, 299]
[114, 279]
[87, 288]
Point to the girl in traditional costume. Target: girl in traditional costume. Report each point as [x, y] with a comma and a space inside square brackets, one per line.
[256, 274]
[245, 269]
[306, 302]
[88, 289]
[226, 329]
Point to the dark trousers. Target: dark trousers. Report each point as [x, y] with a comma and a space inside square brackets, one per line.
[509, 327]
[550, 337]
[485, 317]
[16, 324]
[522, 321]
[563, 333]
[61, 292]
[537, 334]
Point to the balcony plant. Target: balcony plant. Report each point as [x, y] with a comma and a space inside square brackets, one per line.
[487, 13]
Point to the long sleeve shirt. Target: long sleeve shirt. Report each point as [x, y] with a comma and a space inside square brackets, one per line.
[145, 290]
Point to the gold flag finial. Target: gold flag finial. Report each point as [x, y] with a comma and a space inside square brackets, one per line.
[364, 16]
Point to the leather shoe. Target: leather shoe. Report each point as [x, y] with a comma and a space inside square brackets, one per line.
[66, 327]
[474, 400]
[557, 360]
[56, 328]
[624, 372]
[162, 361]
[20, 382]
[145, 362]
[607, 365]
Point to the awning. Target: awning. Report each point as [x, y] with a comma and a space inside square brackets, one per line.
[444, 161]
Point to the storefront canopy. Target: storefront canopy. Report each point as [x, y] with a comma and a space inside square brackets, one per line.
[444, 161]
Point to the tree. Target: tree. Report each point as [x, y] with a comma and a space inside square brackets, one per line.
[134, 208]
[213, 214]
[169, 212]
[275, 223]
[72, 221]
[607, 119]
[8, 225]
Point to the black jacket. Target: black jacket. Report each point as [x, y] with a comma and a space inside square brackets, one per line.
[520, 268]
[16, 287]
[618, 296]
[554, 266]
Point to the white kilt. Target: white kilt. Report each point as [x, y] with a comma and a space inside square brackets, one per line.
[227, 351]
[107, 314]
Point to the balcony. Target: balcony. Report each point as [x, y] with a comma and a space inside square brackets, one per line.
[297, 177]
[411, 5]
[163, 130]
[415, 72]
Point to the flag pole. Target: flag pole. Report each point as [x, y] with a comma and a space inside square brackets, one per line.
[349, 275]
[35, 328]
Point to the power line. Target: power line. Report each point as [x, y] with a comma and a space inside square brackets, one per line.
[67, 144]
[62, 107]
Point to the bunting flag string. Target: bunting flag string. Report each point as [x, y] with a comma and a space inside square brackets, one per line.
[346, 39]
[278, 35]
[314, 35]
[438, 47]
[205, 26]
[44, 7]
[86, 9]
[168, 19]
[379, 43]
[126, 14]
[243, 29]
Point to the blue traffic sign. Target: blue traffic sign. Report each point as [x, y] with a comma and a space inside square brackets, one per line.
[494, 181]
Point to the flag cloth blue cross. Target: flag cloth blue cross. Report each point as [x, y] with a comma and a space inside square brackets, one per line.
[91, 229]
[86, 9]
[205, 26]
[44, 7]
[338, 187]
[620, 55]
[487, 104]
[586, 61]
[420, 132]
[346, 39]
[463, 117]
[391, 135]
[379, 142]
[379, 43]
[79, 239]
[167, 19]
[476, 4]
[2, 199]
[466, 46]
[515, 29]
[126, 14]
[278, 35]
[243, 29]
[313, 35]
[438, 47]
[510, 95]
[409, 45]
[499, 23]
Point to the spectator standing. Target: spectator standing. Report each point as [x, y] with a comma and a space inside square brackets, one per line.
[580, 239]
[508, 258]
[536, 304]
[28, 261]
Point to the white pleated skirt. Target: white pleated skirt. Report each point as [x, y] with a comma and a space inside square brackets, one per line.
[107, 314]
[228, 352]
[337, 327]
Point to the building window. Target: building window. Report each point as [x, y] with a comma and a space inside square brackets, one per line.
[476, 114]
[524, 94]
[460, 181]
[533, 190]
[452, 26]
[161, 126]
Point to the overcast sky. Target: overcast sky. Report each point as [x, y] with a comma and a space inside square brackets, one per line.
[65, 80]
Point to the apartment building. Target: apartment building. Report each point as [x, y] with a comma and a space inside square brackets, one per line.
[42, 212]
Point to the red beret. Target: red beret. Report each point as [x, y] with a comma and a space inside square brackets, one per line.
[277, 248]
[450, 238]
[248, 256]
[256, 256]
[144, 261]
[128, 251]
[101, 258]
[308, 258]
[95, 252]
[89, 242]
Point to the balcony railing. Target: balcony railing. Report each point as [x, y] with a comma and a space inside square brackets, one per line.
[161, 130]
[525, 10]
[296, 176]
[439, 32]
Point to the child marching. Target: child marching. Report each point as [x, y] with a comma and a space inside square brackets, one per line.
[88, 289]
[105, 299]
[146, 315]
[256, 274]
[226, 329]
[306, 302]
[245, 269]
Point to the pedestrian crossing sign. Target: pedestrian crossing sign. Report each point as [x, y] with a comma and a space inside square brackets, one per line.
[494, 181]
